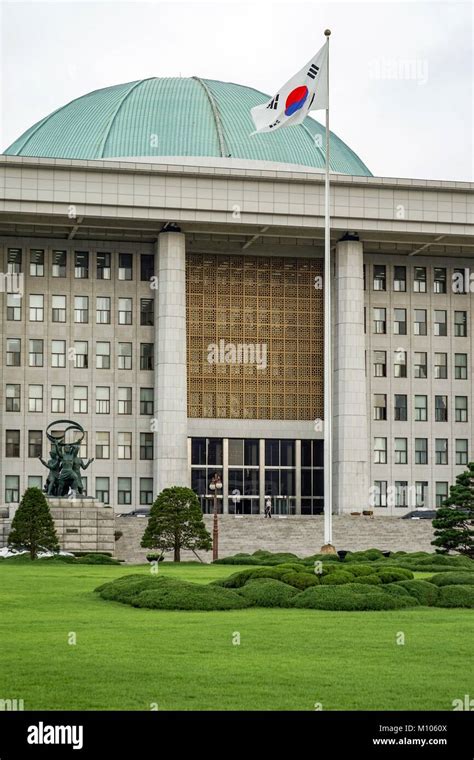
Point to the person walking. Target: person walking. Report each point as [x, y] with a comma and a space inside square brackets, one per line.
[268, 507]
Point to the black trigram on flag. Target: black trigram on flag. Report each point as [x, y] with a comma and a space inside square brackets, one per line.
[274, 103]
[313, 70]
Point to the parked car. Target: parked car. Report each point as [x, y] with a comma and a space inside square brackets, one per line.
[422, 513]
[141, 512]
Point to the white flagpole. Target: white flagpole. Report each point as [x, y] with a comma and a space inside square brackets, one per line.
[327, 337]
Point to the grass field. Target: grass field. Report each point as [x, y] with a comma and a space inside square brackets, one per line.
[127, 658]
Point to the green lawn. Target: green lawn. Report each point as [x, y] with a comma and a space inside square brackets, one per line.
[127, 658]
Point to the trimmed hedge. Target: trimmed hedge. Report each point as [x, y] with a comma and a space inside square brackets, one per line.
[336, 578]
[373, 579]
[350, 597]
[424, 591]
[300, 580]
[97, 559]
[453, 579]
[266, 592]
[170, 594]
[455, 596]
[394, 590]
[393, 574]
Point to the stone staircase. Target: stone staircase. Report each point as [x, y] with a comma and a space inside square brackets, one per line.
[300, 535]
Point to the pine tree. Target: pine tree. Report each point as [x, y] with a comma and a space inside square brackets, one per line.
[33, 526]
[176, 523]
[454, 521]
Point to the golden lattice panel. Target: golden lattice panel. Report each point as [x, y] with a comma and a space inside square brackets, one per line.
[265, 317]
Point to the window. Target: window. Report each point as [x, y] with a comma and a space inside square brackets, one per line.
[102, 490]
[124, 356]
[421, 409]
[81, 356]
[380, 406]
[380, 364]
[420, 364]
[12, 443]
[441, 408]
[35, 398]
[103, 266]
[36, 310]
[439, 281]
[35, 444]
[146, 356]
[81, 265]
[102, 355]
[441, 366]
[380, 450]
[400, 408]
[461, 451]
[35, 481]
[58, 399]
[125, 271]
[102, 313]
[419, 323]
[124, 397]
[419, 280]
[421, 451]
[80, 399]
[125, 311]
[146, 445]
[400, 279]
[146, 490]
[58, 264]
[401, 490]
[460, 408]
[35, 354]
[102, 445]
[401, 451]
[400, 363]
[146, 401]
[124, 446]
[13, 352]
[441, 493]
[460, 324]
[147, 266]
[14, 261]
[460, 366]
[400, 321]
[58, 353]
[12, 489]
[124, 493]
[380, 321]
[81, 309]
[380, 277]
[102, 400]
[441, 451]
[13, 307]
[13, 398]
[36, 263]
[460, 281]
[146, 311]
[380, 493]
[58, 307]
[440, 325]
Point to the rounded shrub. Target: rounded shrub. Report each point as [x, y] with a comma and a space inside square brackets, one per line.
[336, 579]
[393, 574]
[369, 555]
[372, 580]
[266, 592]
[357, 570]
[455, 596]
[453, 579]
[188, 596]
[300, 580]
[350, 597]
[424, 591]
[97, 559]
[393, 589]
[236, 580]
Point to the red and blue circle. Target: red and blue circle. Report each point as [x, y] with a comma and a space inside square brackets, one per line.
[296, 100]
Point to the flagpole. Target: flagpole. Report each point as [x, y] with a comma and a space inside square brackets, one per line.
[328, 547]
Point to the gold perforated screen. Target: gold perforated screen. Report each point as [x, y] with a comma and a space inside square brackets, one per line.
[255, 337]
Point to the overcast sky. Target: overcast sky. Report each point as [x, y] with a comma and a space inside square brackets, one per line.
[401, 72]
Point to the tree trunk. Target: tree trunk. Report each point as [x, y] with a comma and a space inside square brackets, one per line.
[177, 553]
[32, 552]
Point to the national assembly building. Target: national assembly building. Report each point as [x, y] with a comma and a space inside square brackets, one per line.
[162, 285]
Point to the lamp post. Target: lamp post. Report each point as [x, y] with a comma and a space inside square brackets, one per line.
[215, 485]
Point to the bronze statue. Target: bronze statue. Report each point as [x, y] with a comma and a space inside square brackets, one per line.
[65, 464]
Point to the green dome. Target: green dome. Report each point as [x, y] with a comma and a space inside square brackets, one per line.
[177, 117]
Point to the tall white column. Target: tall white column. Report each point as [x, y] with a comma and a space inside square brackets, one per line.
[351, 487]
[171, 460]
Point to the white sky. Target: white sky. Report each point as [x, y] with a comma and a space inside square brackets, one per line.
[420, 125]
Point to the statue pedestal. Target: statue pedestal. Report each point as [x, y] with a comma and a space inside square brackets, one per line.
[83, 524]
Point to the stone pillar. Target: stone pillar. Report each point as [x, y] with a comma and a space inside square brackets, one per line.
[170, 467]
[350, 445]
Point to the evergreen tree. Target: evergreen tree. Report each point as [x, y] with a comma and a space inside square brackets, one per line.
[454, 521]
[176, 523]
[32, 526]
